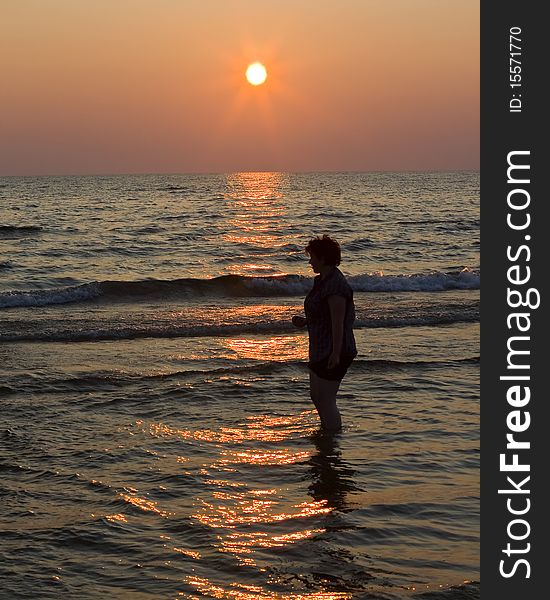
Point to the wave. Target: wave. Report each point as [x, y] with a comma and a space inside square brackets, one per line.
[469, 590]
[177, 189]
[465, 279]
[63, 295]
[236, 286]
[82, 331]
[107, 378]
[9, 231]
[466, 223]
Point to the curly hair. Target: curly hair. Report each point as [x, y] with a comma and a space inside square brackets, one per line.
[325, 248]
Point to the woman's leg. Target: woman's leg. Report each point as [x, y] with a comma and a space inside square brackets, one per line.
[323, 394]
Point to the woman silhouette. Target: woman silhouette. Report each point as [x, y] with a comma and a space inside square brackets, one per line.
[330, 313]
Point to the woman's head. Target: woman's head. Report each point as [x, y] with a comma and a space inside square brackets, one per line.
[325, 249]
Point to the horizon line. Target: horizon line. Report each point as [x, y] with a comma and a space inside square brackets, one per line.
[292, 172]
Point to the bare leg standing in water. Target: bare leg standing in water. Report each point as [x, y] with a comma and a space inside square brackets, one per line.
[323, 395]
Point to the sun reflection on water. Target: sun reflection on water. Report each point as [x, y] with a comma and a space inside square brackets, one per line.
[118, 518]
[250, 187]
[143, 504]
[239, 591]
[239, 513]
[238, 510]
[266, 457]
[257, 212]
[190, 553]
[247, 514]
[275, 348]
[258, 428]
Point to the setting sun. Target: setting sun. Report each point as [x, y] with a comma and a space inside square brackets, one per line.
[256, 73]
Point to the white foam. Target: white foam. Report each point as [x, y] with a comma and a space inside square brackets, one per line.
[430, 282]
[78, 293]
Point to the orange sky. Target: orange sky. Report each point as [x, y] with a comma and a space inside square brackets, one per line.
[157, 86]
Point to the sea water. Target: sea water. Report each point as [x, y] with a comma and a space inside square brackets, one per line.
[157, 438]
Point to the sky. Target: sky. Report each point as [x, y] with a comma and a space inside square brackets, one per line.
[158, 86]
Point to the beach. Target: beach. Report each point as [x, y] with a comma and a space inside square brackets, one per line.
[157, 436]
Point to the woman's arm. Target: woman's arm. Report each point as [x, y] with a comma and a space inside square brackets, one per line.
[337, 306]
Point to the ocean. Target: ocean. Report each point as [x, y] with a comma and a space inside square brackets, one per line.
[156, 434]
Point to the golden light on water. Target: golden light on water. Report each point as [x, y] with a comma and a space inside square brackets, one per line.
[255, 217]
[229, 513]
[240, 510]
[144, 504]
[256, 267]
[266, 457]
[239, 591]
[246, 519]
[257, 428]
[241, 544]
[190, 553]
[253, 189]
[118, 518]
[276, 348]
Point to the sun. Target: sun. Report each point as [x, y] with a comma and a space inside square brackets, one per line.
[256, 73]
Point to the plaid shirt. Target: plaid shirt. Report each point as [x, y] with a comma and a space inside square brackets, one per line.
[318, 316]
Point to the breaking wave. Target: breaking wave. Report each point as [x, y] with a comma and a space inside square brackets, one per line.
[236, 286]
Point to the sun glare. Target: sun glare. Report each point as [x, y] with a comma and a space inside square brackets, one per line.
[256, 73]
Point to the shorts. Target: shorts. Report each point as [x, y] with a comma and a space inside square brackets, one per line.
[337, 373]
